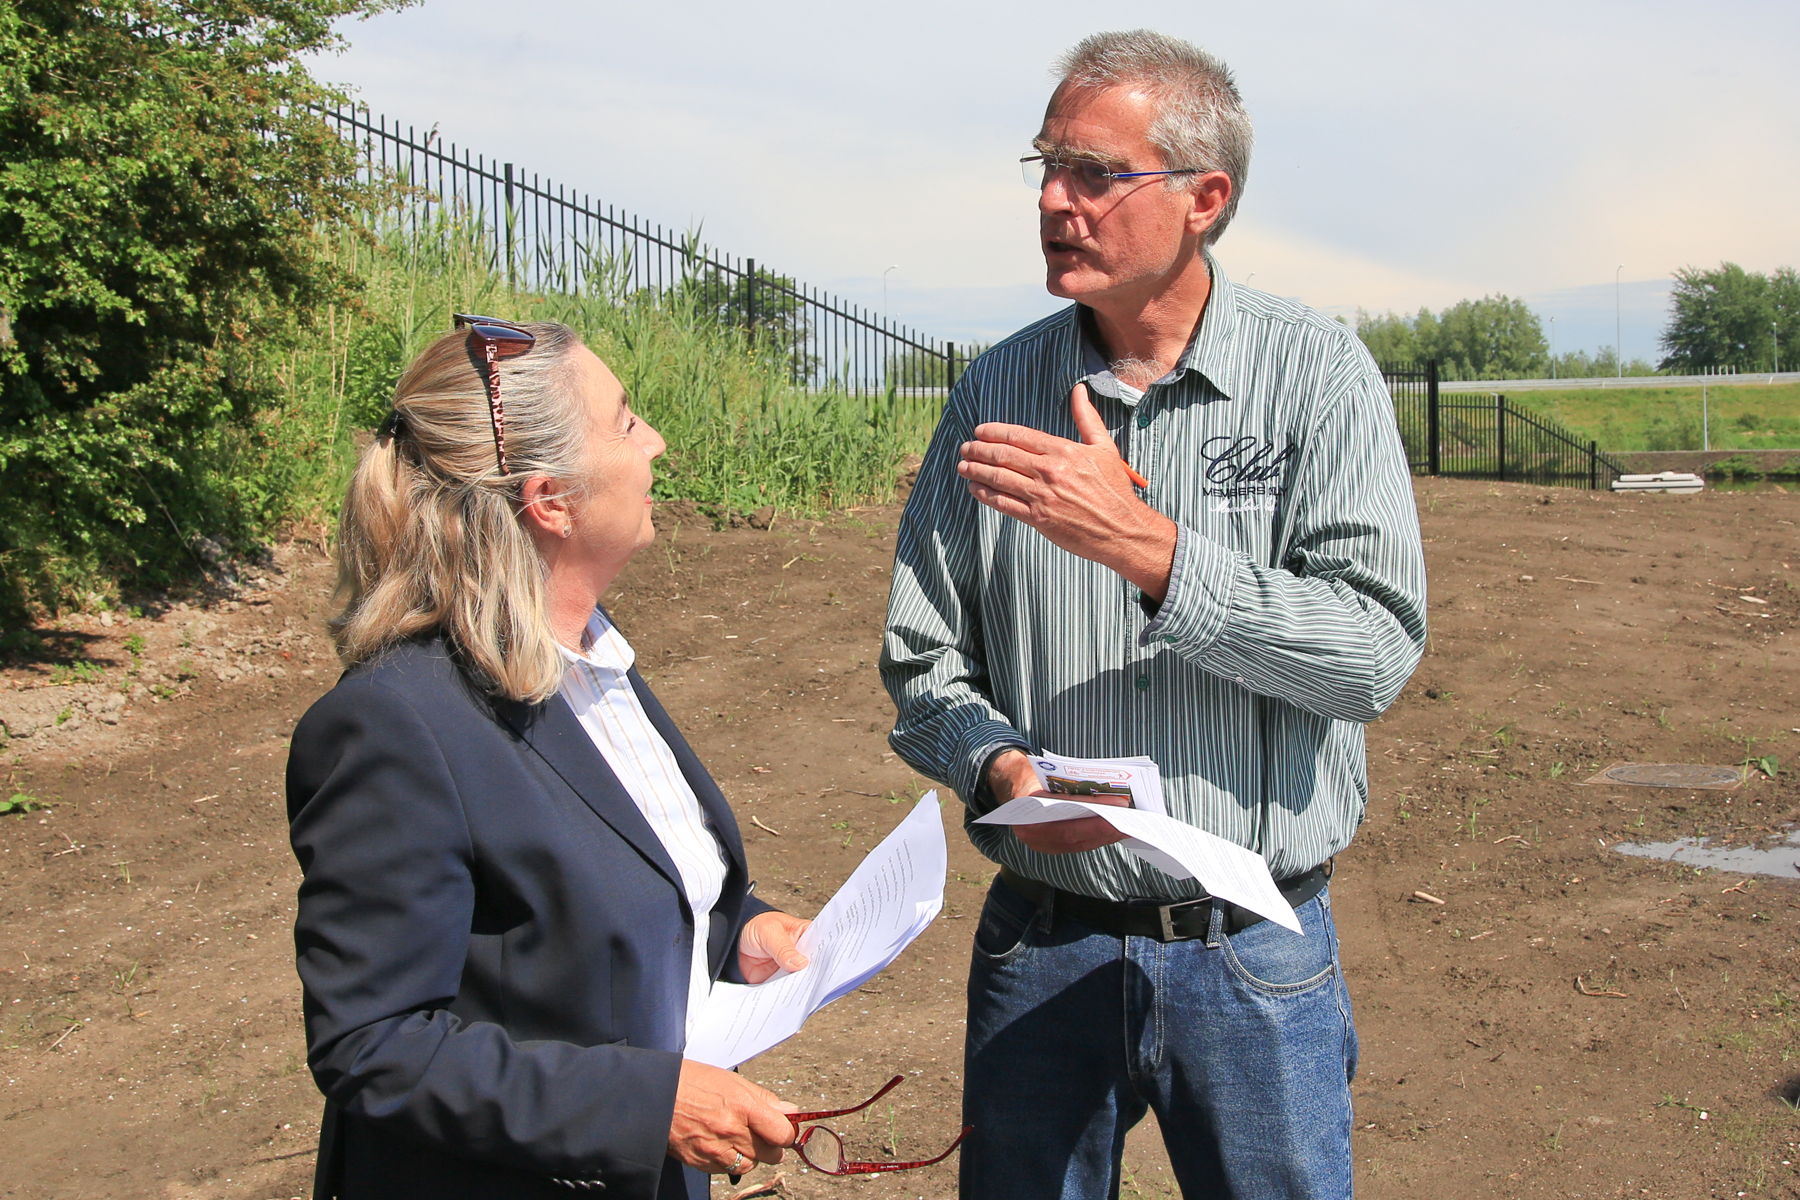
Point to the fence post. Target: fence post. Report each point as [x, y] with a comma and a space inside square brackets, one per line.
[1593, 466]
[1431, 420]
[508, 218]
[750, 294]
[949, 365]
[1500, 437]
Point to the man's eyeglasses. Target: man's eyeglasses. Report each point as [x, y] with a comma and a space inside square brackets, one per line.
[499, 339]
[823, 1150]
[1086, 177]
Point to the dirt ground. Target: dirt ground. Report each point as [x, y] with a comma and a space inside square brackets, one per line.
[1568, 1022]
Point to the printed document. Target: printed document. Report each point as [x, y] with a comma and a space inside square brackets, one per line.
[1137, 778]
[1225, 869]
[887, 902]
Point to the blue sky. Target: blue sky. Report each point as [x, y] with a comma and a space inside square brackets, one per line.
[1407, 153]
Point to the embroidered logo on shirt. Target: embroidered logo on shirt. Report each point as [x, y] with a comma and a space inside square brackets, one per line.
[1244, 474]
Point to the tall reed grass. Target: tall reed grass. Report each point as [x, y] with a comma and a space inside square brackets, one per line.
[742, 433]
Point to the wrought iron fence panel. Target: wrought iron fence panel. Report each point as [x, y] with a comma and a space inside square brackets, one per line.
[1481, 436]
[542, 236]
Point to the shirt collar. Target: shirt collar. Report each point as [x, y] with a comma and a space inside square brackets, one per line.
[604, 647]
[1208, 351]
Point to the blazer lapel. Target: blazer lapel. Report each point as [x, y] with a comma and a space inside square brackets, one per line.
[552, 730]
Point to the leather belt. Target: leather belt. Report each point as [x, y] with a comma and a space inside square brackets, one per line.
[1177, 922]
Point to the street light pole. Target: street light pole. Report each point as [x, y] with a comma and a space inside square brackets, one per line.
[884, 275]
[1775, 333]
[1553, 347]
[1618, 342]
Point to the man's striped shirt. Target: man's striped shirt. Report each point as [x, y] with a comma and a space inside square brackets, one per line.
[1295, 611]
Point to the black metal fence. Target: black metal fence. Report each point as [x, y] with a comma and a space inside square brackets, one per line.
[544, 236]
[1480, 436]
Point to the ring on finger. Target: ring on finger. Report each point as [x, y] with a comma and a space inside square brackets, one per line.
[737, 1162]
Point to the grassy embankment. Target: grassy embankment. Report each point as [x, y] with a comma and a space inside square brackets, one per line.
[741, 434]
[1743, 416]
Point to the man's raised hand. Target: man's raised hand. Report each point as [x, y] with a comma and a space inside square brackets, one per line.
[1076, 493]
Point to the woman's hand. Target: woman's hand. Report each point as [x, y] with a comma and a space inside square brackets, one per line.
[769, 943]
[724, 1123]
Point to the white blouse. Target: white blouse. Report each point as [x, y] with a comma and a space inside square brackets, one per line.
[599, 691]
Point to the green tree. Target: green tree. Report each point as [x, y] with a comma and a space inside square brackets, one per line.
[1390, 337]
[1496, 337]
[1784, 294]
[1730, 318]
[165, 193]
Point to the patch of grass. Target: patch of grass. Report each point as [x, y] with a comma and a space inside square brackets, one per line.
[742, 432]
[1741, 1040]
[79, 671]
[1741, 416]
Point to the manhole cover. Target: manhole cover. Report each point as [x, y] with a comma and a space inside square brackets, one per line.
[1671, 775]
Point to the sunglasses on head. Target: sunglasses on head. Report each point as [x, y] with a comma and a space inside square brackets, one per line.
[498, 339]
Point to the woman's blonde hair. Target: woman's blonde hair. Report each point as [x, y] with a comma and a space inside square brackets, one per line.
[431, 538]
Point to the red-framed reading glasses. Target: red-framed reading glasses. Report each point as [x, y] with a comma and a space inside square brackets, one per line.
[823, 1150]
[499, 339]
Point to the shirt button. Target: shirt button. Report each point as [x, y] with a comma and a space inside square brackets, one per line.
[1143, 683]
[1143, 420]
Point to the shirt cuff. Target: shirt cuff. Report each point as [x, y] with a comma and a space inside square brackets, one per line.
[1195, 608]
[984, 741]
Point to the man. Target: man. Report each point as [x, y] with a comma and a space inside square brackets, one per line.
[1237, 618]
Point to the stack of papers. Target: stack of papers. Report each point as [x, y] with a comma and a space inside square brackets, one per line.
[1225, 869]
[887, 902]
[1137, 779]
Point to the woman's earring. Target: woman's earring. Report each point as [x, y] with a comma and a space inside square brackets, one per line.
[567, 530]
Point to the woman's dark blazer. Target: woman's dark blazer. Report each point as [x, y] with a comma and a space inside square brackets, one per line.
[494, 945]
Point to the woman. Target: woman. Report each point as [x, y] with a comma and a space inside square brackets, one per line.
[518, 880]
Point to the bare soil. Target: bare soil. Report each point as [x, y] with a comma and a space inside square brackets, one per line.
[1568, 1022]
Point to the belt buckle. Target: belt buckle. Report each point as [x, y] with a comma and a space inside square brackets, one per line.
[1165, 917]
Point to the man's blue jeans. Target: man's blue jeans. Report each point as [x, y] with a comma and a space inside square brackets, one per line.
[1242, 1044]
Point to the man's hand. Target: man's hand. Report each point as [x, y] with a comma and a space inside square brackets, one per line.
[724, 1123]
[1077, 494]
[769, 943]
[1010, 776]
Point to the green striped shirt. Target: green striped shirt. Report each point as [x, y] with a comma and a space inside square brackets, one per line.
[1295, 610]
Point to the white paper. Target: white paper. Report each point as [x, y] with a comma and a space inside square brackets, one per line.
[887, 902]
[1137, 778]
[1225, 869]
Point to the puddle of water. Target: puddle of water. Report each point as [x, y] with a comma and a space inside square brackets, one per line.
[1781, 859]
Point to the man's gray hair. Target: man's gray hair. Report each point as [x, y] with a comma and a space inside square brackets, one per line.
[1200, 119]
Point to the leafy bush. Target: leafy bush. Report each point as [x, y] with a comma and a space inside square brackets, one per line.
[163, 208]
